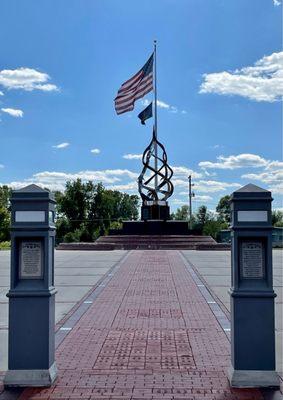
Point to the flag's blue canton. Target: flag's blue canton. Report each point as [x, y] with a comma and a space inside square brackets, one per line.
[148, 67]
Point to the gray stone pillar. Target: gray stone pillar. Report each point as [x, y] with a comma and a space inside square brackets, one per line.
[251, 293]
[32, 293]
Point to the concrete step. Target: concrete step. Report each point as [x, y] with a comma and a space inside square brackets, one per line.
[85, 246]
[148, 242]
[156, 239]
[155, 242]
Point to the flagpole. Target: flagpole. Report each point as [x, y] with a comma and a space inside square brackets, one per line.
[155, 119]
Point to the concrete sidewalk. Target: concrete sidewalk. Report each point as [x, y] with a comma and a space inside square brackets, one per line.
[150, 331]
[214, 268]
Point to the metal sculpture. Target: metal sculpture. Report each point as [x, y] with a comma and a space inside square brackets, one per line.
[155, 179]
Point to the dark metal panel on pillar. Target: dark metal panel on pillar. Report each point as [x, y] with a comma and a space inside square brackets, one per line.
[32, 294]
[251, 293]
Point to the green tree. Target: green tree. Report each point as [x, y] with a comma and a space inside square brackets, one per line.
[74, 202]
[202, 216]
[5, 193]
[182, 213]
[212, 227]
[223, 209]
[277, 218]
[85, 210]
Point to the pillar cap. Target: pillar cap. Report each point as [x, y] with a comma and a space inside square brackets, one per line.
[251, 191]
[32, 192]
[31, 189]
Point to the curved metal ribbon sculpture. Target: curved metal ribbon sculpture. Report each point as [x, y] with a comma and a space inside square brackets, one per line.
[164, 173]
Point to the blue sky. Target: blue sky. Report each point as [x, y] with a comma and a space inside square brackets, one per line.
[220, 72]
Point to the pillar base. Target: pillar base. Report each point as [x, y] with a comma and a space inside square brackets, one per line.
[31, 377]
[253, 379]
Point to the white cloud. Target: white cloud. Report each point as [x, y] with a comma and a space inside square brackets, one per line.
[56, 180]
[185, 172]
[276, 2]
[210, 186]
[206, 173]
[1, 93]
[61, 145]
[132, 156]
[197, 197]
[204, 198]
[95, 151]
[233, 162]
[266, 177]
[271, 176]
[13, 112]
[26, 79]
[274, 164]
[145, 102]
[277, 189]
[203, 186]
[216, 146]
[261, 82]
[127, 187]
[178, 202]
[162, 104]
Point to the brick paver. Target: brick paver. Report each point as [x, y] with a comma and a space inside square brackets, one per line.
[149, 335]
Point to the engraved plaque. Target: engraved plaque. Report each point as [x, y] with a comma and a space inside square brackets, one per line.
[31, 260]
[252, 216]
[30, 216]
[252, 260]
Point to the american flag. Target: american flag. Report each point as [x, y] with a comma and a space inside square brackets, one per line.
[135, 88]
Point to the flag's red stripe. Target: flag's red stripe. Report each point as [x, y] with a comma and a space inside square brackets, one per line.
[130, 87]
[133, 78]
[125, 110]
[131, 81]
[128, 95]
[145, 89]
[138, 95]
[130, 98]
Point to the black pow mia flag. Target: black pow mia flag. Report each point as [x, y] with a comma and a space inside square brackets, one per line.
[145, 114]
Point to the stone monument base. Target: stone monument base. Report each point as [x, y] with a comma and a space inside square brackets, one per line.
[156, 227]
[253, 379]
[30, 377]
[155, 211]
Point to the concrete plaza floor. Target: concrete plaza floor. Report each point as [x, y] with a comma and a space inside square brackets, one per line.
[215, 268]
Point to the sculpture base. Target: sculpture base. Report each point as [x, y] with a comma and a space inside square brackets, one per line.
[155, 212]
[157, 227]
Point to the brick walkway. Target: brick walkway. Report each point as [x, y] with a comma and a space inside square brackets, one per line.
[149, 335]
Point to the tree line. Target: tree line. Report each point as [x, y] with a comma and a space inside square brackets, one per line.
[85, 210]
[210, 223]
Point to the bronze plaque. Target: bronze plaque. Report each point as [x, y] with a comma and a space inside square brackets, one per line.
[252, 260]
[31, 260]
